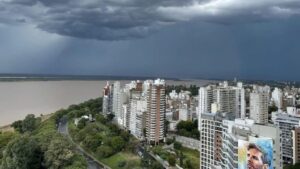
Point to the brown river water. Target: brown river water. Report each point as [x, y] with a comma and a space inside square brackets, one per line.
[17, 99]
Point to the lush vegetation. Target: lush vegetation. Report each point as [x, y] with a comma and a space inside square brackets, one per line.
[123, 160]
[296, 166]
[109, 144]
[182, 156]
[188, 129]
[192, 88]
[102, 138]
[5, 138]
[38, 146]
[190, 157]
[148, 162]
[92, 106]
[272, 108]
[29, 124]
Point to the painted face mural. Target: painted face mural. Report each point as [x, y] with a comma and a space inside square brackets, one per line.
[255, 154]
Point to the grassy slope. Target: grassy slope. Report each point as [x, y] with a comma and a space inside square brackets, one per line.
[46, 131]
[132, 160]
[189, 154]
[44, 134]
[192, 155]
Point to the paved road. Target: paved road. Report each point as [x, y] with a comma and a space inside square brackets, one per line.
[63, 129]
[141, 151]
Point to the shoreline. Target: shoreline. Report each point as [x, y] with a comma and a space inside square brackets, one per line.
[43, 97]
[20, 98]
[6, 128]
[9, 128]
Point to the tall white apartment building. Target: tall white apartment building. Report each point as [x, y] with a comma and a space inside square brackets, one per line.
[125, 102]
[222, 98]
[138, 106]
[277, 97]
[230, 139]
[286, 122]
[247, 131]
[241, 101]
[184, 112]
[122, 118]
[117, 103]
[173, 95]
[146, 85]
[140, 123]
[205, 99]
[210, 140]
[129, 92]
[156, 110]
[130, 86]
[220, 136]
[289, 100]
[226, 99]
[296, 144]
[230, 99]
[259, 103]
[184, 95]
[135, 97]
[107, 99]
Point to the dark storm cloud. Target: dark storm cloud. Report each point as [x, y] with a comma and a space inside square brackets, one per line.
[2, 8]
[23, 2]
[130, 19]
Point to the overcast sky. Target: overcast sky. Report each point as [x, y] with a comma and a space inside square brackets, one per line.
[249, 39]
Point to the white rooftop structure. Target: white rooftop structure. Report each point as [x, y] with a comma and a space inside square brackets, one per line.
[159, 82]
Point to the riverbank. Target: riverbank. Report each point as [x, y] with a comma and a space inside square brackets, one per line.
[21, 98]
[9, 128]
[43, 97]
[6, 128]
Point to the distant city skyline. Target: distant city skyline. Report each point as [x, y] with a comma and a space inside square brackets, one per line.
[257, 40]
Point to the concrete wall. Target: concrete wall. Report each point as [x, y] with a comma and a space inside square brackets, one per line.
[188, 142]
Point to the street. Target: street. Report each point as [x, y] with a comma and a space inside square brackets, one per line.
[63, 129]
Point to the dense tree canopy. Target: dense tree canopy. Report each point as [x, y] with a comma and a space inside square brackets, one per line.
[177, 145]
[172, 160]
[92, 142]
[5, 138]
[59, 153]
[105, 151]
[39, 146]
[296, 166]
[117, 143]
[29, 124]
[188, 129]
[22, 153]
[150, 163]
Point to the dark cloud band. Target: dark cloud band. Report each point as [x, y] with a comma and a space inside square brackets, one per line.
[130, 19]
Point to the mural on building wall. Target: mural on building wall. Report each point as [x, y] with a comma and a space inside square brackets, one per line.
[257, 153]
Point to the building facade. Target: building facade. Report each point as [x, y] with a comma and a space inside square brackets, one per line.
[116, 99]
[296, 144]
[259, 103]
[156, 110]
[287, 123]
[220, 137]
[107, 99]
[277, 97]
